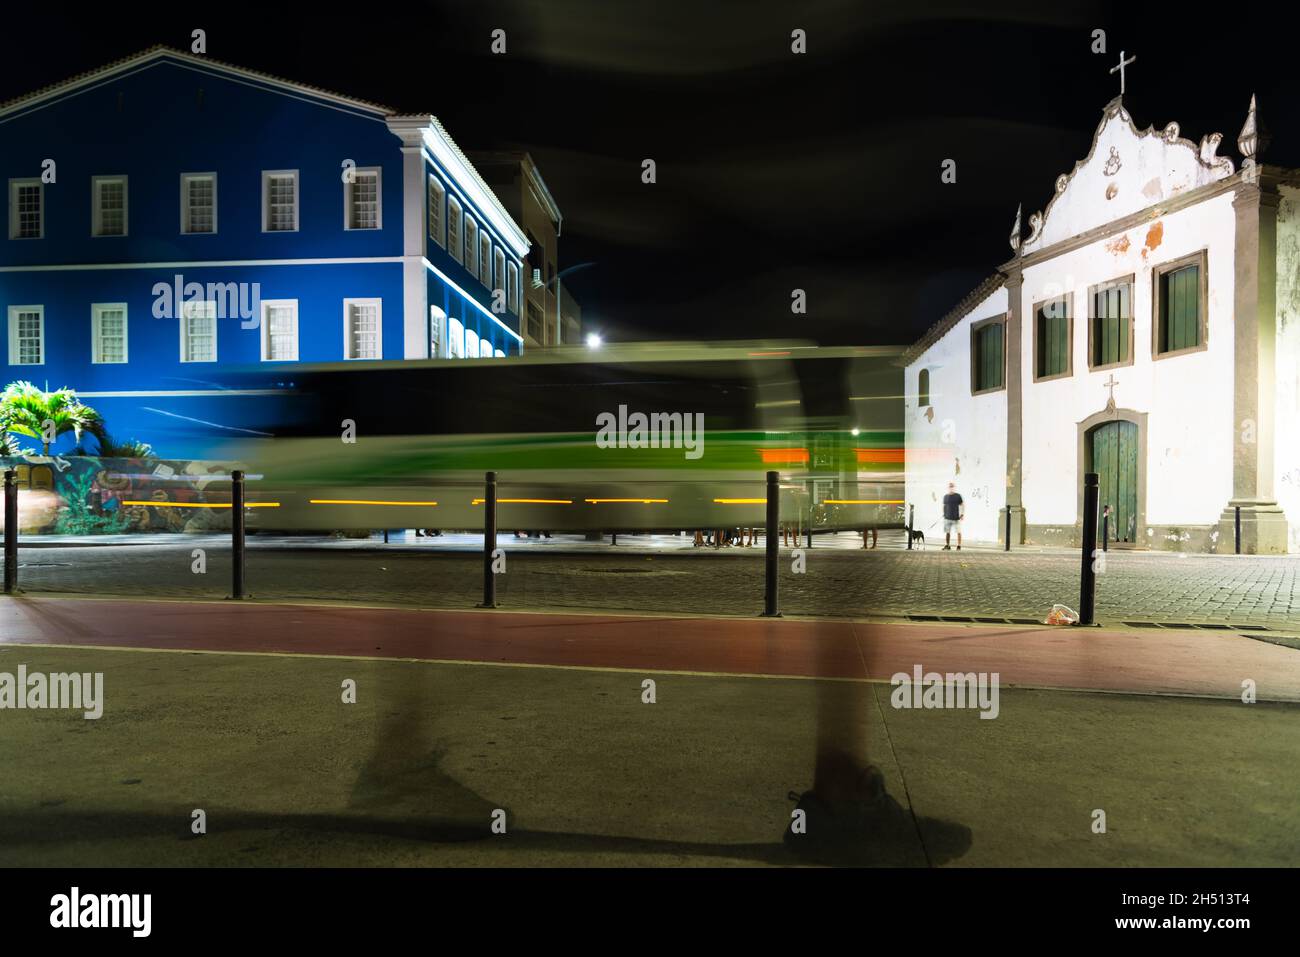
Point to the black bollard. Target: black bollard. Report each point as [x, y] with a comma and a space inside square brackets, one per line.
[237, 534]
[11, 531]
[1236, 524]
[1105, 529]
[1088, 578]
[772, 558]
[489, 539]
[911, 525]
[1007, 546]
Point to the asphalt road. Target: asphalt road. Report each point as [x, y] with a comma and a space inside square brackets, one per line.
[285, 773]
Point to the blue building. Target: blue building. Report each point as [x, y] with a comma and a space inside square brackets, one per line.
[171, 217]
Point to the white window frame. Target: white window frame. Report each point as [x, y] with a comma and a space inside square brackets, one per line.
[512, 291]
[471, 344]
[187, 313]
[484, 256]
[436, 187]
[186, 179]
[266, 199]
[498, 269]
[347, 327]
[454, 206]
[13, 334]
[455, 338]
[14, 186]
[265, 326]
[438, 332]
[485, 348]
[470, 248]
[97, 208]
[97, 310]
[378, 172]
[498, 354]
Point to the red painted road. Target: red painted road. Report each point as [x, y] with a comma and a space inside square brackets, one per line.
[1129, 661]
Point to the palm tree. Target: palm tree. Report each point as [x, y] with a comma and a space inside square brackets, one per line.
[9, 446]
[111, 448]
[28, 410]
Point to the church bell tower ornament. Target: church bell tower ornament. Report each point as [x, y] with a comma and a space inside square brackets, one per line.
[1015, 230]
[1253, 139]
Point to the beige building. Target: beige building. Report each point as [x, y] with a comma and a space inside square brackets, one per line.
[550, 316]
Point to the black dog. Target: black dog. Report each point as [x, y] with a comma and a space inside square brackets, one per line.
[918, 536]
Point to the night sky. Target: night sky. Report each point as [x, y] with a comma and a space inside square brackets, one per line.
[775, 171]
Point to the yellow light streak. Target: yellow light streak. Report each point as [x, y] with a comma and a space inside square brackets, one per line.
[204, 504]
[641, 501]
[527, 501]
[863, 501]
[363, 501]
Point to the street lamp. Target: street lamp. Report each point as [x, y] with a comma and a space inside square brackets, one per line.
[594, 340]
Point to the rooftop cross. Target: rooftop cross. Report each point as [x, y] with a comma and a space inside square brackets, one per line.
[1120, 69]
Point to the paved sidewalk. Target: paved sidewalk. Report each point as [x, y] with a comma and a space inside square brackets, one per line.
[1227, 590]
[406, 540]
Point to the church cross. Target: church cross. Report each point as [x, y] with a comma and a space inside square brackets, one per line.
[1120, 69]
[1110, 383]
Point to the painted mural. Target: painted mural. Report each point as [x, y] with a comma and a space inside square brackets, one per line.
[90, 495]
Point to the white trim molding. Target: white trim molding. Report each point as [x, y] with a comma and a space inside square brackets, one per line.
[472, 301]
[208, 263]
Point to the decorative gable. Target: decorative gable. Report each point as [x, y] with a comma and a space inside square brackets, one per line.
[1126, 170]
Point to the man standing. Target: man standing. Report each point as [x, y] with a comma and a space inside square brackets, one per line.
[954, 510]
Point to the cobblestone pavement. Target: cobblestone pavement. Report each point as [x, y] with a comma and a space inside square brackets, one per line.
[1136, 586]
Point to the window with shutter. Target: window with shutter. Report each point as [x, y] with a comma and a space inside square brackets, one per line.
[1110, 323]
[1180, 309]
[1052, 339]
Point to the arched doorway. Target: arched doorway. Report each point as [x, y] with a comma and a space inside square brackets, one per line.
[1112, 451]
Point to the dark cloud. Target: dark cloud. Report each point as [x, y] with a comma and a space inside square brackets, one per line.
[775, 171]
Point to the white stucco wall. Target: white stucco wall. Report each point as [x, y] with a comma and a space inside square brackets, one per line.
[966, 439]
[1188, 397]
[1287, 420]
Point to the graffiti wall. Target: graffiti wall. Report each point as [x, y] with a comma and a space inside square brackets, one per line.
[89, 495]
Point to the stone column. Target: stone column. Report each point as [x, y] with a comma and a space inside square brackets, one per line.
[1015, 397]
[1263, 524]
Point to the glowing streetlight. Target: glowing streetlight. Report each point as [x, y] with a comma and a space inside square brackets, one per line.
[594, 340]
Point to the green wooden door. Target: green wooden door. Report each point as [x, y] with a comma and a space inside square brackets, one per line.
[1113, 455]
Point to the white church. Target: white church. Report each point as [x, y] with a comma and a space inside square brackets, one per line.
[1147, 328]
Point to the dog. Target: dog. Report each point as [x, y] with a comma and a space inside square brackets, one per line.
[918, 538]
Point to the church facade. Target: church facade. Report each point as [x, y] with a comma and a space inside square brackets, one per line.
[1147, 328]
